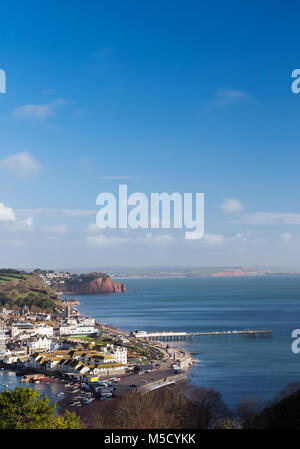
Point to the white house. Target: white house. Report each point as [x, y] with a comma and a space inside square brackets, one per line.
[77, 330]
[19, 328]
[86, 321]
[120, 354]
[44, 330]
[100, 359]
[30, 329]
[83, 330]
[35, 343]
[10, 358]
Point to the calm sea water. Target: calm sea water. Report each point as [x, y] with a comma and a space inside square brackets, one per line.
[234, 365]
[9, 380]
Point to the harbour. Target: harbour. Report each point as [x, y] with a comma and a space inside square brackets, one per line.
[51, 387]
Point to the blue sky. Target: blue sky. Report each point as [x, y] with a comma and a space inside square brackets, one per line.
[163, 96]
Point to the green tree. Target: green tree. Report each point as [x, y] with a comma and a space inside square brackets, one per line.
[23, 408]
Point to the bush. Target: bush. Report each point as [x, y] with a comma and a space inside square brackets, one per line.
[23, 408]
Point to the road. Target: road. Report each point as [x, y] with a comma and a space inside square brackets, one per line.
[139, 379]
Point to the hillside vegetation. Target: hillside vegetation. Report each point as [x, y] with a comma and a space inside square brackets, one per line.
[18, 289]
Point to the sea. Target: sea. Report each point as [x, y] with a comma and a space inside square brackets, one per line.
[237, 366]
[9, 381]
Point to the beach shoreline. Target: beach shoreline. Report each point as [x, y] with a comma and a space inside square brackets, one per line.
[142, 381]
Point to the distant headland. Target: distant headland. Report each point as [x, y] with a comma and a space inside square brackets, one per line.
[41, 289]
[80, 284]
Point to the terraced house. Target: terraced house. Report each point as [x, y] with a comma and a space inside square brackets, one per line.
[75, 362]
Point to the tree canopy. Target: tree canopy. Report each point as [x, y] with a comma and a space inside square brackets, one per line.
[24, 408]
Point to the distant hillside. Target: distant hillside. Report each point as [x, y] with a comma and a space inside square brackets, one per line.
[18, 289]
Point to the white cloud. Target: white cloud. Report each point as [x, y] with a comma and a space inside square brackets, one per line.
[223, 97]
[148, 239]
[33, 112]
[37, 112]
[242, 236]
[10, 223]
[119, 177]
[19, 227]
[231, 205]
[28, 221]
[161, 240]
[164, 240]
[6, 213]
[104, 241]
[286, 237]
[226, 96]
[21, 164]
[212, 239]
[49, 91]
[270, 218]
[57, 213]
[55, 230]
[92, 229]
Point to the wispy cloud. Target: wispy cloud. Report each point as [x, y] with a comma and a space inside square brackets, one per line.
[212, 239]
[225, 97]
[286, 237]
[22, 165]
[242, 236]
[98, 238]
[231, 205]
[28, 221]
[37, 112]
[55, 230]
[269, 218]
[104, 241]
[92, 229]
[164, 240]
[103, 52]
[49, 91]
[118, 177]
[57, 213]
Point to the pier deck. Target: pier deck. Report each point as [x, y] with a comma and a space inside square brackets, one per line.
[178, 335]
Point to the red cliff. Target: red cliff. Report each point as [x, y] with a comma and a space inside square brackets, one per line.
[99, 285]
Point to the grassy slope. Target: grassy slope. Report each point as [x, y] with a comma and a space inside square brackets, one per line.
[18, 289]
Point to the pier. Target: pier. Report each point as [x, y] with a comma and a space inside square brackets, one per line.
[173, 335]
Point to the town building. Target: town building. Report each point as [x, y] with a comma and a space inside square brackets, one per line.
[77, 330]
[39, 343]
[2, 341]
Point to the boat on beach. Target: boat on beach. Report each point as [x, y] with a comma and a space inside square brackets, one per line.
[35, 378]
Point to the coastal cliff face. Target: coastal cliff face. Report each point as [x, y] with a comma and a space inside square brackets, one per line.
[87, 284]
[99, 285]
